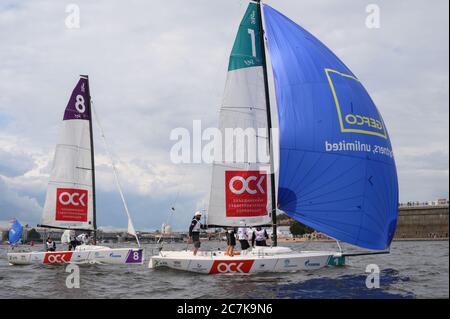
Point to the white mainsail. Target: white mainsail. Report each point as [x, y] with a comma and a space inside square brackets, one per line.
[240, 189]
[69, 201]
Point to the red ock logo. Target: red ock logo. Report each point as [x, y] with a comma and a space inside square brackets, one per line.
[57, 258]
[246, 193]
[71, 204]
[224, 266]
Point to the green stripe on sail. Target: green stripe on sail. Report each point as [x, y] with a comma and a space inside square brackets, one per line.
[247, 46]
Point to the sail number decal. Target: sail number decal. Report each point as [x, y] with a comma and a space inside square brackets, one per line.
[246, 193]
[253, 39]
[71, 204]
[134, 257]
[80, 103]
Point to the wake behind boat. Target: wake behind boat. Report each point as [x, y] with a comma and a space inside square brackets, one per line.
[336, 172]
[70, 202]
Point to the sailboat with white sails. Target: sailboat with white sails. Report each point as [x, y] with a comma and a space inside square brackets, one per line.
[71, 199]
[336, 172]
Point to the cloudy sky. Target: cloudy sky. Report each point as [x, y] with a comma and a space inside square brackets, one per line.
[157, 65]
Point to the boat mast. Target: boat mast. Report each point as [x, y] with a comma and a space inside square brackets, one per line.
[269, 126]
[94, 216]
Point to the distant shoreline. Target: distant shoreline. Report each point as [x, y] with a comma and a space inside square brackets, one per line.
[421, 239]
[301, 240]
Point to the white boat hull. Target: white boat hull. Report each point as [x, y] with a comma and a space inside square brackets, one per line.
[82, 255]
[258, 261]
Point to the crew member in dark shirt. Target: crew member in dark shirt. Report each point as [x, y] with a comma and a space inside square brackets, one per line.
[231, 241]
[194, 231]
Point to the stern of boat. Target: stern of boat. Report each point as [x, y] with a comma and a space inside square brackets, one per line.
[336, 261]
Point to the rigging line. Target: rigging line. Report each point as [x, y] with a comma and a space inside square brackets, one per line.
[224, 108]
[172, 207]
[74, 147]
[116, 177]
[71, 183]
[235, 111]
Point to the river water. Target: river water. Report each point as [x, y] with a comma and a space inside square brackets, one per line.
[414, 269]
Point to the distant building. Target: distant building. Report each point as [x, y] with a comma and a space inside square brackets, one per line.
[416, 220]
[282, 231]
[4, 225]
[438, 202]
[166, 229]
[430, 222]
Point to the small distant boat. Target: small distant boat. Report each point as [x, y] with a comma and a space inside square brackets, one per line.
[70, 202]
[15, 232]
[337, 172]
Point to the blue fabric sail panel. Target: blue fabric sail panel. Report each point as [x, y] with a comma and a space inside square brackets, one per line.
[15, 232]
[337, 170]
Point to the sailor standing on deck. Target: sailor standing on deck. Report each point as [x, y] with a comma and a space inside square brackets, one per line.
[242, 234]
[259, 237]
[194, 231]
[231, 241]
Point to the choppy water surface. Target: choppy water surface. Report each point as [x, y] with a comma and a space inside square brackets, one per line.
[413, 270]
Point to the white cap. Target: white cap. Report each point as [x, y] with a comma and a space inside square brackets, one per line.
[198, 213]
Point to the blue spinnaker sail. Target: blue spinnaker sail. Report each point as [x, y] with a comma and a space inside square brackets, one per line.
[337, 171]
[15, 232]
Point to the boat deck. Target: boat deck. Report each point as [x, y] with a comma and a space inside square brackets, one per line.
[277, 259]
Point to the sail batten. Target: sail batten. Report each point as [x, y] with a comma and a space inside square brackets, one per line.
[337, 169]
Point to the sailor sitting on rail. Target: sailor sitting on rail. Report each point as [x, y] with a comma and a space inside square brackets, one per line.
[50, 245]
[83, 239]
[194, 231]
[73, 243]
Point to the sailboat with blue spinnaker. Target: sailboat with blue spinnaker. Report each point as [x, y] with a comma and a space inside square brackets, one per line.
[336, 173]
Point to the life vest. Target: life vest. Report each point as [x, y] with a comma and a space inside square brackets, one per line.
[260, 235]
[50, 245]
[83, 238]
[197, 227]
[242, 233]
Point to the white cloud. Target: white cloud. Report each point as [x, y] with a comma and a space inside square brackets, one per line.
[15, 205]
